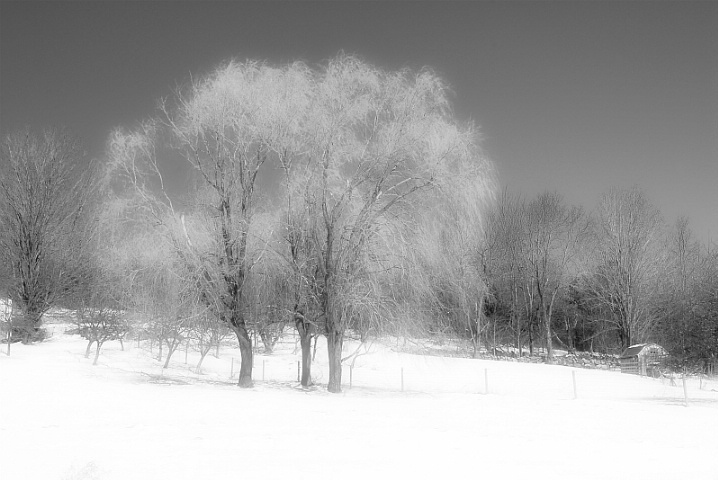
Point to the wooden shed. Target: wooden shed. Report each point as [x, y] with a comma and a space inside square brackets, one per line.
[643, 359]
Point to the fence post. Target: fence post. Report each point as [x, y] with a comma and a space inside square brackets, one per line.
[299, 369]
[486, 381]
[402, 379]
[186, 348]
[573, 375]
[231, 369]
[685, 390]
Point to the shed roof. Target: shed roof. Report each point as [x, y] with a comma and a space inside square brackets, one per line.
[634, 350]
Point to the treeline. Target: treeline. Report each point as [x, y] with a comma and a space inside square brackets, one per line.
[343, 200]
[598, 281]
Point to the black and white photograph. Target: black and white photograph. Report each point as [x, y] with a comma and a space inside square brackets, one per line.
[347, 239]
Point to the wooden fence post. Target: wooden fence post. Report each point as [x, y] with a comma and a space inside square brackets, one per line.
[573, 375]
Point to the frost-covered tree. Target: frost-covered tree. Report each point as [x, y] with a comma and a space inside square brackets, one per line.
[381, 141]
[358, 146]
[225, 126]
[445, 273]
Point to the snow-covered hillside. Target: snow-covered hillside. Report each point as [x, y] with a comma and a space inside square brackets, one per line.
[126, 418]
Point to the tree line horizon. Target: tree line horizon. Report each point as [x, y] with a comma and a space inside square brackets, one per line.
[388, 221]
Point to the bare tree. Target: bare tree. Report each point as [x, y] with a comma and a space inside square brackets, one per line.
[381, 138]
[685, 302]
[45, 192]
[269, 295]
[208, 332]
[166, 292]
[228, 126]
[629, 261]
[100, 323]
[302, 277]
[504, 266]
[554, 236]
[448, 271]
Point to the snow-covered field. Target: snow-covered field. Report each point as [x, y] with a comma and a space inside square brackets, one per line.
[126, 418]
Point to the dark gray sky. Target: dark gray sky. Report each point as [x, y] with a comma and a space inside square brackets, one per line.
[574, 97]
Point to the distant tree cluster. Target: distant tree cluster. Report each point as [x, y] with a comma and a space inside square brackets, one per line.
[598, 281]
[345, 201]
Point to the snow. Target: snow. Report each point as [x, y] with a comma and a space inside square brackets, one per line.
[127, 418]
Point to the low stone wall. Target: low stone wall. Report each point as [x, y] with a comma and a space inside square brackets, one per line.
[578, 360]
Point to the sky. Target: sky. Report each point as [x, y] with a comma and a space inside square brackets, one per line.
[572, 97]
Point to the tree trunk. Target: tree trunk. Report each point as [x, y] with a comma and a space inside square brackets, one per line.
[306, 343]
[477, 338]
[89, 347]
[30, 326]
[530, 319]
[171, 347]
[203, 351]
[97, 353]
[494, 342]
[546, 317]
[514, 303]
[269, 336]
[268, 343]
[334, 346]
[571, 331]
[624, 333]
[549, 340]
[245, 351]
[305, 340]
[314, 352]
[531, 338]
